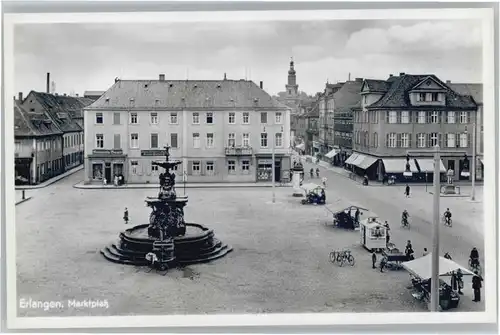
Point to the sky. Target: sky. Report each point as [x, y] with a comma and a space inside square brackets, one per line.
[84, 57]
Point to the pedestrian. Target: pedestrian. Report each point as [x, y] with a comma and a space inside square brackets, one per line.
[454, 281]
[425, 252]
[324, 181]
[407, 191]
[374, 259]
[460, 282]
[115, 180]
[120, 179]
[476, 286]
[387, 235]
[125, 215]
[382, 264]
[385, 179]
[104, 181]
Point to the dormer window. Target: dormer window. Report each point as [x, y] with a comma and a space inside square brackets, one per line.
[434, 96]
[421, 97]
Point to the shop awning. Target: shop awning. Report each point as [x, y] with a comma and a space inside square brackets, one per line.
[332, 153]
[422, 267]
[351, 158]
[365, 161]
[398, 165]
[301, 146]
[427, 165]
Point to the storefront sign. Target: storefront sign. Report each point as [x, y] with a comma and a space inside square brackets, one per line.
[107, 152]
[265, 161]
[153, 152]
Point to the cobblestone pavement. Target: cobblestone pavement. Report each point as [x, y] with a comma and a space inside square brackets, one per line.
[279, 263]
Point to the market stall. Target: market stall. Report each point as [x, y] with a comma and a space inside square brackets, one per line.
[373, 234]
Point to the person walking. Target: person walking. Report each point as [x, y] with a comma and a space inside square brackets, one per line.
[382, 264]
[476, 286]
[125, 215]
[387, 235]
[374, 259]
[459, 276]
[407, 191]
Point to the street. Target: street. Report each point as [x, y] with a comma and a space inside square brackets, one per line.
[279, 263]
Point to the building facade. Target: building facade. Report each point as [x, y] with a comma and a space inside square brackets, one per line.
[38, 147]
[65, 112]
[409, 115]
[476, 92]
[222, 131]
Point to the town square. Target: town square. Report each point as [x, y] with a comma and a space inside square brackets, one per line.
[198, 188]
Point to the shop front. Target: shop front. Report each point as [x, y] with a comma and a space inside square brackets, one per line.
[265, 168]
[104, 165]
[23, 170]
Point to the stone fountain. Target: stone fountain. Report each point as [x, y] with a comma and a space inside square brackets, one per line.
[167, 241]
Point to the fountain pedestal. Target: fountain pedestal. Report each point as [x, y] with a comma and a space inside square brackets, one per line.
[167, 240]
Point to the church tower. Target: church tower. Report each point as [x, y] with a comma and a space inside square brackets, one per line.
[292, 89]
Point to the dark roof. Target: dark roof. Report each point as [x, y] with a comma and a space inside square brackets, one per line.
[474, 90]
[31, 125]
[62, 109]
[375, 85]
[347, 97]
[178, 94]
[398, 94]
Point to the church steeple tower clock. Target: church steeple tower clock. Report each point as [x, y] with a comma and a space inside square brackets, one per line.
[292, 89]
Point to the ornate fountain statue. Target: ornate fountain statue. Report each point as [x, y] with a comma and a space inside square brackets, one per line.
[167, 218]
[165, 242]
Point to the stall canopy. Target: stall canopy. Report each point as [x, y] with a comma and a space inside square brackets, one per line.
[301, 146]
[427, 165]
[364, 161]
[332, 153]
[351, 158]
[422, 267]
[398, 165]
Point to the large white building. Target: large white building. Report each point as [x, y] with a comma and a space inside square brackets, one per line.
[221, 130]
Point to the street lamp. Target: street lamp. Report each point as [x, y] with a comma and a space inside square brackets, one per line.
[473, 174]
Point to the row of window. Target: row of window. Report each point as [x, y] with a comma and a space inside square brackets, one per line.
[197, 167]
[174, 143]
[420, 97]
[195, 118]
[422, 140]
[343, 134]
[405, 117]
[71, 140]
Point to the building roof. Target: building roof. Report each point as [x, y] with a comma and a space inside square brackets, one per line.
[348, 96]
[180, 94]
[93, 93]
[26, 125]
[398, 94]
[62, 109]
[375, 85]
[474, 90]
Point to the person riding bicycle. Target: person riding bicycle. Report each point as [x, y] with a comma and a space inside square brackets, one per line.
[447, 216]
[311, 172]
[447, 256]
[404, 217]
[474, 257]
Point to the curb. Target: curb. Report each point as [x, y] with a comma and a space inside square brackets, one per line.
[180, 187]
[52, 180]
[23, 200]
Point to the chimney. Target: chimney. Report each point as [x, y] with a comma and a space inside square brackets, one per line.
[448, 81]
[401, 74]
[225, 78]
[162, 77]
[20, 96]
[390, 75]
[261, 85]
[48, 82]
[64, 94]
[359, 80]
[77, 95]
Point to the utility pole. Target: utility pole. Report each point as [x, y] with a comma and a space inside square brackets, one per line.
[473, 174]
[435, 233]
[274, 170]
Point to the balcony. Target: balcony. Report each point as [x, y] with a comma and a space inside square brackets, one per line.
[238, 151]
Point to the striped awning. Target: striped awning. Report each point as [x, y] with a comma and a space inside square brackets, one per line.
[332, 153]
[365, 161]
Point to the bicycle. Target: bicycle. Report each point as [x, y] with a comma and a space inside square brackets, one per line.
[474, 265]
[405, 223]
[448, 222]
[341, 257]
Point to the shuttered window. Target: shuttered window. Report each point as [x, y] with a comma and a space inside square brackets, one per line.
[117, 142]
